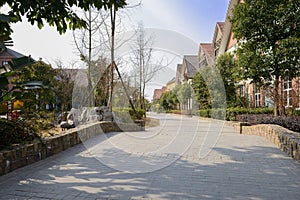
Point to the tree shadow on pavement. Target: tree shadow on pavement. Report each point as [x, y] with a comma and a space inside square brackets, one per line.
[256, 172]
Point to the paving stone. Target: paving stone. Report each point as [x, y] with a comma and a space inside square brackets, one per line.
[237, 167]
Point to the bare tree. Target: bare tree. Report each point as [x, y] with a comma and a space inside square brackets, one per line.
[103, 25]
[112, 19]
[63, 87]
[142, 58]
[88, 43]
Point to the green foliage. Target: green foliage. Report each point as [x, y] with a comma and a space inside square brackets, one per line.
[168, 100]
[231, 113]
[202, 113]
[36, 72]
[209, 88]
[3, 108]
[225, 64]
[182, 93]
[56, 13]
[13, 133]
[269, 47]
[292, 112]
[39, 121]
[3, 81]
[127, 115]
[201, 91]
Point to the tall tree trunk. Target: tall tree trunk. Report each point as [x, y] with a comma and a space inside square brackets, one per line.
[113, 24]
[141, 75]
[276, 95]
[143, 99]
[90, 92]
[279, 108]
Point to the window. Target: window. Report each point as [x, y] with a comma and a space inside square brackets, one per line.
[257, 96]
[242, 91]
[4, 63]
[287, 93]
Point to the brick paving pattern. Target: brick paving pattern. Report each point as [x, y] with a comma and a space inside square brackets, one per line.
[134, 166]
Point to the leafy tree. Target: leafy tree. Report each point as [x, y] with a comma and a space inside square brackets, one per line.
[269, 47]
[5, 31]
[201, 91]
[168, 100]
[55, 13]
[183, 93]
[39, 71]
[225, 64]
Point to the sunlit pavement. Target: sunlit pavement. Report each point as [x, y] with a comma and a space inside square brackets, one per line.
[183, 158]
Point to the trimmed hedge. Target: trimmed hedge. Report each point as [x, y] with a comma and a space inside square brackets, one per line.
[128, 115]
[290, 122]
[231, 113]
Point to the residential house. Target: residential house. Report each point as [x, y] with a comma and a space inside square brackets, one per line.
[5, 57]
[256, 97]
[189, 68]
[171, 84]
[217, 39]
[205, 55]
[253, 96]
[179, 76]
[157, 93]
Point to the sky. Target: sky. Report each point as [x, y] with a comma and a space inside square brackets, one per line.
[172, 21]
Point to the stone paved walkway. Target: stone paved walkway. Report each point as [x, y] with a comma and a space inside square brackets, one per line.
[173, 161]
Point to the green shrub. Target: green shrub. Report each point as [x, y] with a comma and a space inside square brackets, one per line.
[231, 113]
[289, 122]
[13, 133]
[3, 108]
[128, 115]
[292, 112]
[202, 113]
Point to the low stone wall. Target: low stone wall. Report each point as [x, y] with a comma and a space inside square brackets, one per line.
[23, 155]
[288, 141]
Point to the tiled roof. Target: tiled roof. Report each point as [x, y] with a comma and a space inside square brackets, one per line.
[173, 80]
[191, 62]
[179, 68]
[11, 53]
[207, 49]
[221, 25]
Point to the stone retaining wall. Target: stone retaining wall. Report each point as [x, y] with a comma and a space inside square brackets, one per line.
[23, 155]
[288, 141]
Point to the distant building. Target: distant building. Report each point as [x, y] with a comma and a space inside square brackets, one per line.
[190, 67]
[8, 55]
[179, 76]
[157, 93]
[5, 57]
[205, 55]
[217, 39]
[171, 84]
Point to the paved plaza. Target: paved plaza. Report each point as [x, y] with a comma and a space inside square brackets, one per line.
[183, 158]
